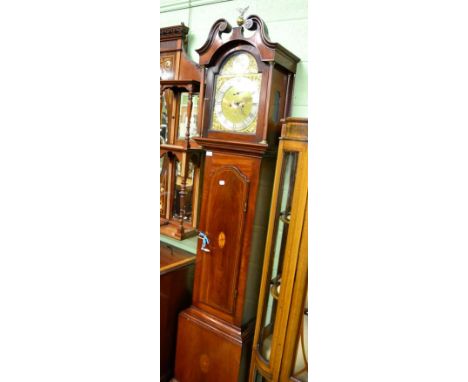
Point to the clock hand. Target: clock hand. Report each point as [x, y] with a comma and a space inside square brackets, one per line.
[242, 108]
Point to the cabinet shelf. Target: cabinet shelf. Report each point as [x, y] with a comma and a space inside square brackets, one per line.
[285, 217]
[275, 285]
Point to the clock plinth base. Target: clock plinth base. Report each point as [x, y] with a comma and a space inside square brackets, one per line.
[210, 349]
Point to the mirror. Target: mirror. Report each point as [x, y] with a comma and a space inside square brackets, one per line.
[166, 102]
[183, 118]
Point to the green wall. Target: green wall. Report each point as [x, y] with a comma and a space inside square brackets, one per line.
[286, 21]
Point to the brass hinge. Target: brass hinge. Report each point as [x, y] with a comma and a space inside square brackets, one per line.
[245, 207]
[235, 295]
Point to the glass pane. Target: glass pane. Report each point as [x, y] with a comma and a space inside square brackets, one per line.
[163, 179]
[301, 364]
[166, 102]
[176, 210]
[283, 216]
[259, 378]
[183, 117]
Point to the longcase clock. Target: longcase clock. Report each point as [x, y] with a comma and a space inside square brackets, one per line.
[246, 91]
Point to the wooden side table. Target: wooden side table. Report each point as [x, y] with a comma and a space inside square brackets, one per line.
[176, 272]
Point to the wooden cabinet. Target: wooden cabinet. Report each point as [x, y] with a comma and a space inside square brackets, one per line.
[180, 156]
[176, 273]
[246, 90]
[280, 343]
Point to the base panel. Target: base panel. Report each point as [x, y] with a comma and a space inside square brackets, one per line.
[211, 350]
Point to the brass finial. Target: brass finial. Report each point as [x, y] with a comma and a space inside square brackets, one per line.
[240, 19]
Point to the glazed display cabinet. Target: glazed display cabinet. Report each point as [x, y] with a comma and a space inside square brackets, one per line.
[180, 156]
[280, 342]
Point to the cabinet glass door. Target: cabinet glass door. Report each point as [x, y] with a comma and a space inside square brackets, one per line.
[259, 378]
[164, 183]
[300, 371]
[177, 208]
[183, 117]
[166, 105]
[282, 219]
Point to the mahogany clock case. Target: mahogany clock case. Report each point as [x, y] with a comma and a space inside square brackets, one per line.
[215, 334]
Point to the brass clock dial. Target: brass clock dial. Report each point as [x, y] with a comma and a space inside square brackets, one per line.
[237, 95]
[236, 104]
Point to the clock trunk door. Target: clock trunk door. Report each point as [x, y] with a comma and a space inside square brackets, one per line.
[225, 204]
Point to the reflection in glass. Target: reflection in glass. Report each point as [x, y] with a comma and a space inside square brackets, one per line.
[259, 378]
[176, 210]
[163, 179]
[283, 217]
[183, 118]
[301, 363]
[166, 101]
